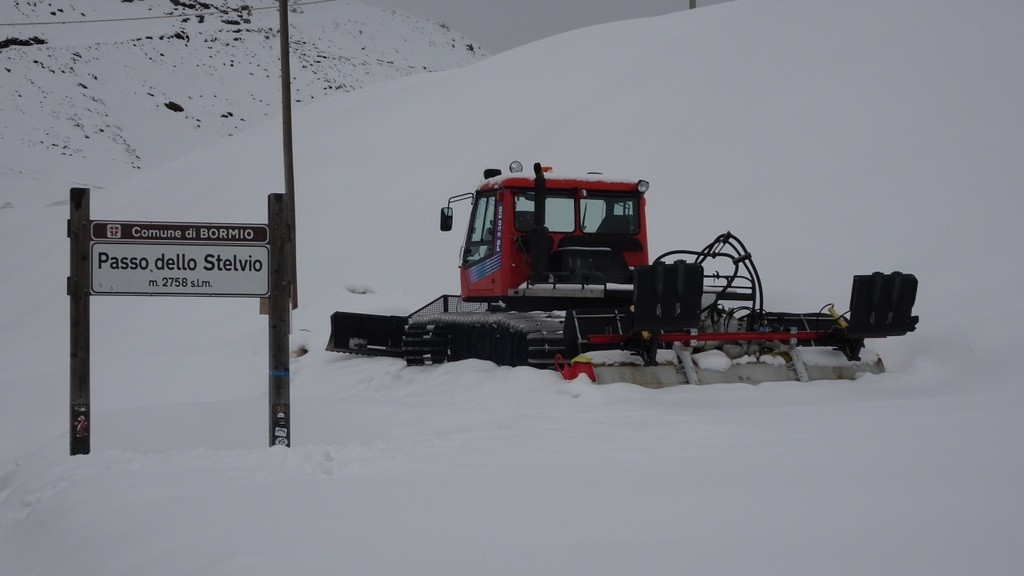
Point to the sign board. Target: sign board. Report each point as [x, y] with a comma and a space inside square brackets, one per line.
[123, 268]
[180, 232]
[179, 259]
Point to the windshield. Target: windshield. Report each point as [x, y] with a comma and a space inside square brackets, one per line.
[598, 212]
[560, 215]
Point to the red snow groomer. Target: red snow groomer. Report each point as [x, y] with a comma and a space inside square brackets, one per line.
[555, 273]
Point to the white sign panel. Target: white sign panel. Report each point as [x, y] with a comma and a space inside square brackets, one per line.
[120, 268]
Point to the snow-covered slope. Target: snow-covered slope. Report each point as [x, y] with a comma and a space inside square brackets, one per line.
[106, 88]
[833, 137]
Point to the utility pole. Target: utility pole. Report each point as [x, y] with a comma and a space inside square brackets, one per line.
[283, 278]
[289, 167]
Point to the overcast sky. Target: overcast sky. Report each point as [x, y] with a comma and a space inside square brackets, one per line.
[498, 25]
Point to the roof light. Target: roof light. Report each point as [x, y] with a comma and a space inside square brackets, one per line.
[515, 166]
[642, 186]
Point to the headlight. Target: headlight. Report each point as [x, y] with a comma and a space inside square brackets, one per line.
[515, 166]
[642, 186]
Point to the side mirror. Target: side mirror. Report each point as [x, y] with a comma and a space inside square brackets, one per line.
[446, 219]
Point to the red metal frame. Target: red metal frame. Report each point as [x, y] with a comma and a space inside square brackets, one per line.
[799, 336]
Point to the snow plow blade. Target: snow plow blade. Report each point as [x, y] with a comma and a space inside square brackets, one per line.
[386, 335]
[367, 334]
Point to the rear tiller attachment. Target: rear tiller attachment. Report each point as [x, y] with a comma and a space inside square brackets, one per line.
[680, 308]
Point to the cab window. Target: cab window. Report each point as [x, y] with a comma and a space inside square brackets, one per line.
[609, 214]
[480, 237]
[559, 216]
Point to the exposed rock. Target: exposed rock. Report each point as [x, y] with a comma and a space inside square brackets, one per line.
[33, 41]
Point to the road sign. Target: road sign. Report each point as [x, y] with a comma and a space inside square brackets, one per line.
[179, 232]
[124, 258]
[137, 268]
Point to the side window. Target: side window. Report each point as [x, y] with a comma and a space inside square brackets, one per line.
[609, 215]
[480, 238]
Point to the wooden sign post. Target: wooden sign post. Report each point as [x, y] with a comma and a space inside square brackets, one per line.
[78, 290]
